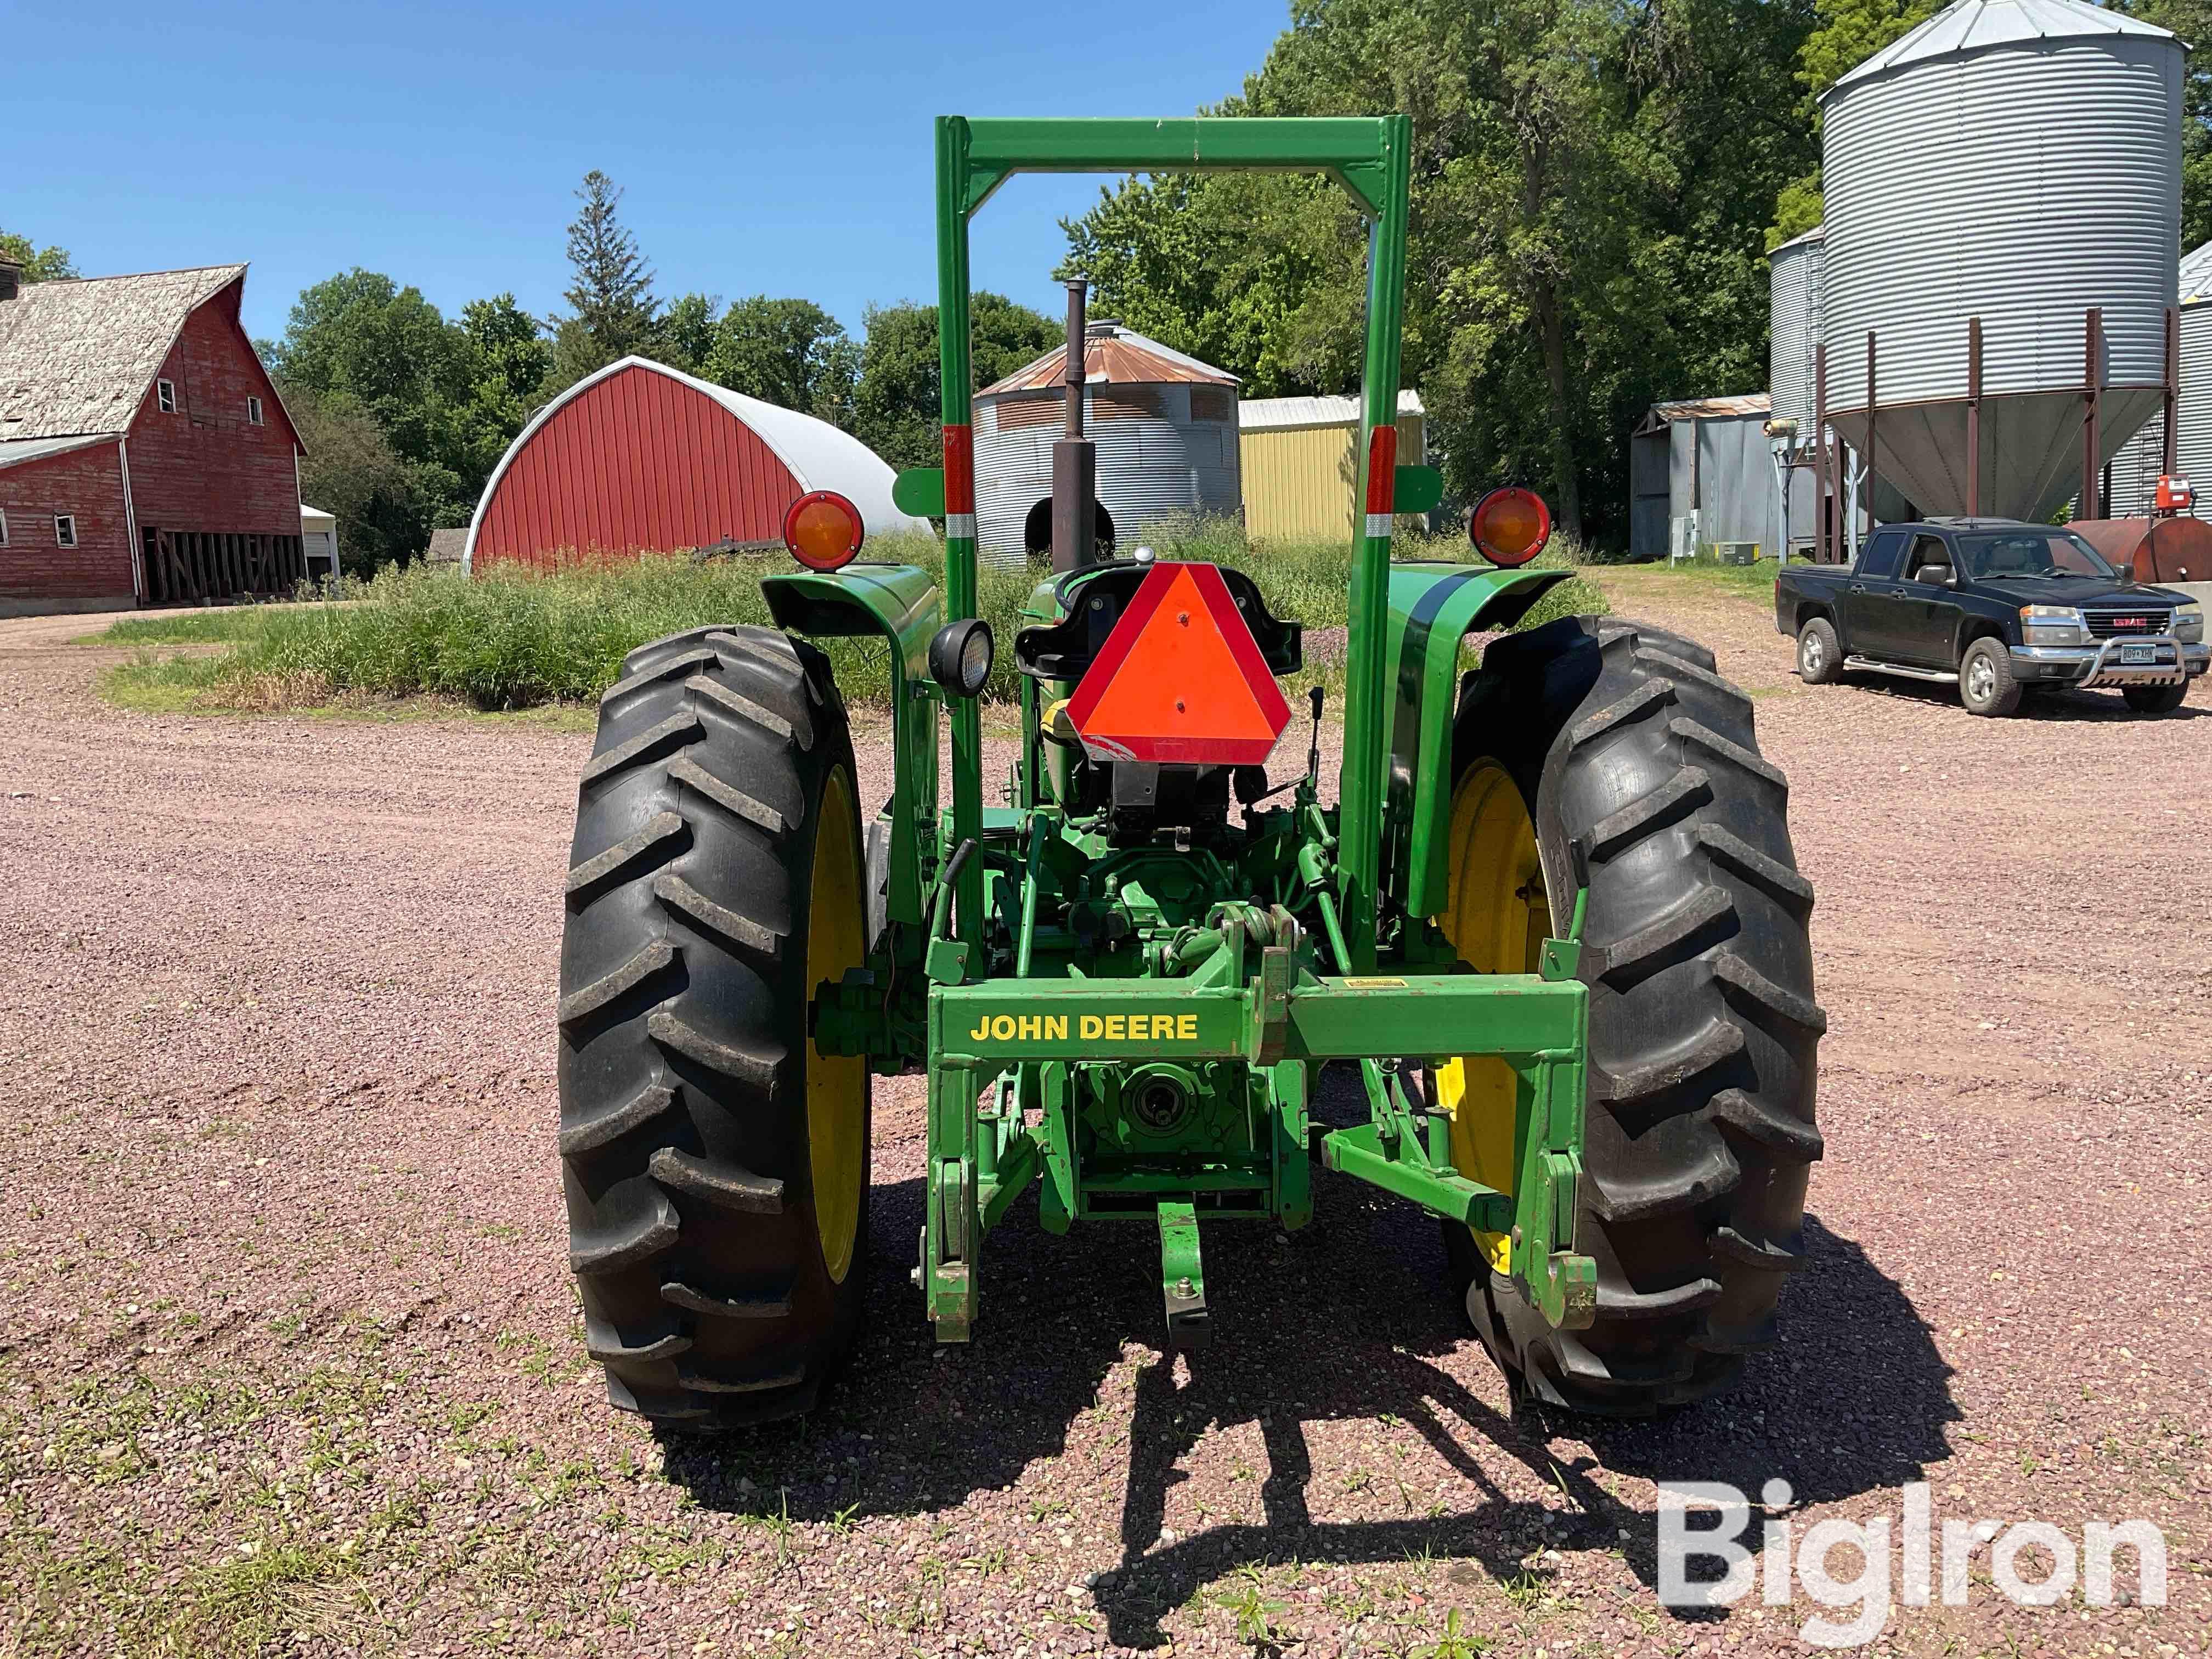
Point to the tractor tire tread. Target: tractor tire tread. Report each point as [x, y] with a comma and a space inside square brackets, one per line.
[1703, 1022]
[684, 1134]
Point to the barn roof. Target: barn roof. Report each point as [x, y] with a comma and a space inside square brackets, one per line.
[13, 450]
[77, 356]
[1117, 355]
[817, 454]
[1283, 414]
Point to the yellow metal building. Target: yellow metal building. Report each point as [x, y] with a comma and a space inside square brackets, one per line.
[1300, 457]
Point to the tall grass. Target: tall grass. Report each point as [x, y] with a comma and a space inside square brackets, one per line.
[508, 638]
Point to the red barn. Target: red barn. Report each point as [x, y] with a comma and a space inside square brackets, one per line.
[145, 457]
[639, 458]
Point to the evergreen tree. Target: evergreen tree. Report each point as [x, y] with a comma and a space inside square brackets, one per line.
[612, 308]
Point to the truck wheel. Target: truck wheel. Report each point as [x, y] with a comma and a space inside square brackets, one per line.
[1703, 1026]
[1819, 653]
[1985, 683]
[2155, 699]
[716, 1166]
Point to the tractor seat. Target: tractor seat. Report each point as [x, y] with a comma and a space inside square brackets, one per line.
[1094, 600]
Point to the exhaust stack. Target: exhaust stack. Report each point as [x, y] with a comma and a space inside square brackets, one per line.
[1075, 457]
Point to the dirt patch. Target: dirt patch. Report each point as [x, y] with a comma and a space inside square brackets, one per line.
[289, 1360]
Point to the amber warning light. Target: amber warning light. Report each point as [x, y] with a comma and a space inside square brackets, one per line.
[1179, 681]
[824, 531]
[1509, 526]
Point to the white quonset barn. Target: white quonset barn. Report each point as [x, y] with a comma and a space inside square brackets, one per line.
[1165, 426]
[641, 457]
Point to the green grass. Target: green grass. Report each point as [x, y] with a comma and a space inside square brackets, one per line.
[1702, 573]
[507, 641]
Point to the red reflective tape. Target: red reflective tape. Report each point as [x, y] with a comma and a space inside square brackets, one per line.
[960, 469]
[1381, 468]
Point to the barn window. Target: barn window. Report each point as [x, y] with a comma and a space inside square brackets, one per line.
[165, 393]
[64, 530]
[4, 530]
[253, 411]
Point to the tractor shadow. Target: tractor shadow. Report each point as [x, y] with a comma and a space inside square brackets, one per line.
[1345, 1321]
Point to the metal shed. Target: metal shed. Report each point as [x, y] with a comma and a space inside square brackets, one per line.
[1300, 455]
[319, 542]
[1706, 457]
[1165, 426]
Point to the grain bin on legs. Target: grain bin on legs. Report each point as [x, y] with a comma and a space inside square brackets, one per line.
[1165, 426]
[2017, 162]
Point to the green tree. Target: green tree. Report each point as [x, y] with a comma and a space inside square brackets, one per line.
[39, 264]
[895, 401]
[509, 360]
[388, 348]
[610, 300]
[385, 505]
[685, 333]
[1848, 31]
[445, 398]
[1592, 183]
[781, 351]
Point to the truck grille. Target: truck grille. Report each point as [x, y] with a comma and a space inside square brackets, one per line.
[2104, 624]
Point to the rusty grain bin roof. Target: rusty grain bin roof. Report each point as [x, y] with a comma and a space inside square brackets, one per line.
[1114, 354]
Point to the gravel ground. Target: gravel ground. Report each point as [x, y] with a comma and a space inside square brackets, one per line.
[289, 1360]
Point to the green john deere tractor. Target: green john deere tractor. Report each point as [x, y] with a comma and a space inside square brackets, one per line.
[1552, 918]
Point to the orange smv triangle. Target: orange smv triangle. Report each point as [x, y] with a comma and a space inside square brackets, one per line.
[1179, 681]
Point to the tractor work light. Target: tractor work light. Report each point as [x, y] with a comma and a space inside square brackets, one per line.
[960, 656]
[824, 531]
[1510, 526]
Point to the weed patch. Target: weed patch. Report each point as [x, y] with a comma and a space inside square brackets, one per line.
[508, 639]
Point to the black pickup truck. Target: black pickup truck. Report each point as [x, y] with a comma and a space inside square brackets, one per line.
[1996, 607]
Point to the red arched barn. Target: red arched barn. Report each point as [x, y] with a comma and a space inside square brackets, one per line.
[640, 457]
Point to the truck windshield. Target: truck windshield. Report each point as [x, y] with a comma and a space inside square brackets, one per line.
[2025, 552]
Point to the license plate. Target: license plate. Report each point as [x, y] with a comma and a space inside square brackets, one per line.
[2135, 655]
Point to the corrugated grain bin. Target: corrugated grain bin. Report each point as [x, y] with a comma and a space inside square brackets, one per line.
[2136, 468]
[1165, 426]
[2018, 162]
[1301, 456]
[640, 457]
[1793, 314]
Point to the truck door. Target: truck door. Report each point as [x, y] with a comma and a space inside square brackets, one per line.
[1871, 599]
[1927, 610]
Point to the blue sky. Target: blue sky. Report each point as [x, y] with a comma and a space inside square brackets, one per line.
[778, 149]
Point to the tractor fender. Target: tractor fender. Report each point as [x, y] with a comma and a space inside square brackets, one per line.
[1432, 608]
[900, 603]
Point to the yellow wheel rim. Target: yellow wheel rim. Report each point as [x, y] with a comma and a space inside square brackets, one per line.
[837, 1084]
[1497, 919]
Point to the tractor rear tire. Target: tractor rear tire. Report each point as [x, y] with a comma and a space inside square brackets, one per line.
[1703, 1028]
[716, 1166]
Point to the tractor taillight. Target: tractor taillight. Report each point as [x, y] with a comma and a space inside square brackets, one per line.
[824, 531]
[1509, 526]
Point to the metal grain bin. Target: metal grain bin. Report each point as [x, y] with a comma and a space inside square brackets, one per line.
[1794, 307]
[1165, 426]
[2135, 469]
[2019, 161]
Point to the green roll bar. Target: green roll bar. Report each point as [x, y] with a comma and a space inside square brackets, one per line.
[1370, 157]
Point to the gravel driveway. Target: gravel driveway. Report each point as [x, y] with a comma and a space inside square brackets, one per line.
[289, 1360]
